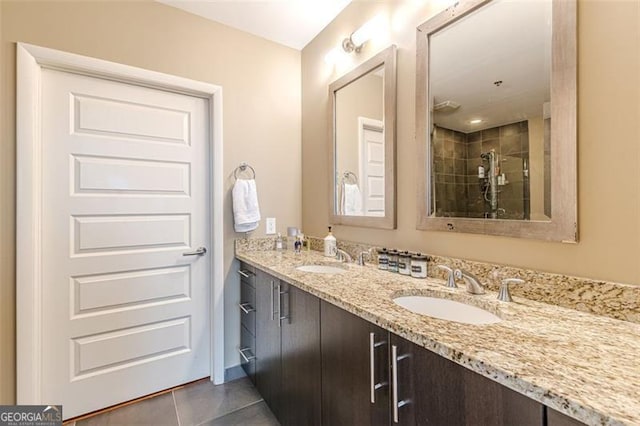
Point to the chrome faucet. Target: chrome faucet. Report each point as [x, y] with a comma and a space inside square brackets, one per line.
[473, 284]
[343, 255]
[504, 295]
[451, 281]
[363, 254]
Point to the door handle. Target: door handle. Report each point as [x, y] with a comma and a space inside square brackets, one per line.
[200, 251]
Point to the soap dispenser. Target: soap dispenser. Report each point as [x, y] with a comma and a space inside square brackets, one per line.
[330, 245]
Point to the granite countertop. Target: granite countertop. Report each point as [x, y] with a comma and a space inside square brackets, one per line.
[583, 365]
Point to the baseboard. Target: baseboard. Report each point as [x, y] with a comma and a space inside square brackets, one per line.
[233, 373]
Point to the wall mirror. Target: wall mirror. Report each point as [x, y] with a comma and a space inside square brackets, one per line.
[496, 119]
[363, 138]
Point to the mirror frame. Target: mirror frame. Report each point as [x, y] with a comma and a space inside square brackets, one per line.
[563, 225]
[387, 59]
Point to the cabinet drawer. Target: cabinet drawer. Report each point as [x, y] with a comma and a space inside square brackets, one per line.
[247, 274]
[247, 353]
[247, 307]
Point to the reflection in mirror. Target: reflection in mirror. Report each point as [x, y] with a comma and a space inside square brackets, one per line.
[496, 119]
[491, 113]
[362, 107]
[359, 121]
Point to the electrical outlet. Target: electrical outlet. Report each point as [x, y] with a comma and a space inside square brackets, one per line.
[271, 225]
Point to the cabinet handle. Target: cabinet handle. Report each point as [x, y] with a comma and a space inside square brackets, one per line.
[394, 380]
[246, 307]
[372, 366]
[280, 294]
[273, 313]
[246, 358]
[244, 273]
[279, 305]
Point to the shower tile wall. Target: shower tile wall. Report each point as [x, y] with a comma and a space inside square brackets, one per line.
[450, 170]
[456, 161]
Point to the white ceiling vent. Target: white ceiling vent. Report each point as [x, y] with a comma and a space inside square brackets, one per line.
[446, 106]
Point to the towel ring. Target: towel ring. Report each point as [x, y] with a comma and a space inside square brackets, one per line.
[243, 168]
[350, 175]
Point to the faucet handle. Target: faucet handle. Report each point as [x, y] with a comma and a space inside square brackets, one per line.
[504, 295]
[362, 256]
[451, 281]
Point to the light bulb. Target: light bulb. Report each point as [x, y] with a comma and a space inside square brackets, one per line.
[368, 30]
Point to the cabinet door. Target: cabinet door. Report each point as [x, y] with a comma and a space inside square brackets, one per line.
[347, 369]
[489, 403]
[435, 391]
[300, 333]
[268, 374]
[429, 387]
[555, 418]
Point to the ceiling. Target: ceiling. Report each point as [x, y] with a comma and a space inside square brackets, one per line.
[508, 41]
[293, 23]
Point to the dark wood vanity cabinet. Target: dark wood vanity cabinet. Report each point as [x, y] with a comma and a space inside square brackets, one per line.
[247, 307]
[300, 343]
[554, 418]
[412, 385]
[288, 351]
[268, 353]
[316, 363]
[347, 374]
[432, 390]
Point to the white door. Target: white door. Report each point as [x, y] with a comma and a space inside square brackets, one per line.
[372, 165]
[125, 184]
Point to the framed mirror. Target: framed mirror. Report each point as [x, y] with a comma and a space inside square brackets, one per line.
[496, 119]
[363, 143]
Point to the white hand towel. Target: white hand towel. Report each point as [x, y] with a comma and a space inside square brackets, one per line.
[246, 212]
[352, 200]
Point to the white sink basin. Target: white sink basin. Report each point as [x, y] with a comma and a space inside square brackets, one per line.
[447, 309]
[321, 269]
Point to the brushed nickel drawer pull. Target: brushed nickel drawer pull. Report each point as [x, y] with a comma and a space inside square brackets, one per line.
[246, 307]
[395, 404]
[246, 358]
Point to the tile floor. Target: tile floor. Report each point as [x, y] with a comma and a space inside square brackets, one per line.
[198, 404]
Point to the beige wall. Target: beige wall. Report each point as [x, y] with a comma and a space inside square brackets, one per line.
[361, 98]
[536, 167]
[261, 87]
[608, 143]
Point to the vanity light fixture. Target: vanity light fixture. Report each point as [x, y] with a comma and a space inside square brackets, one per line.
[359, 37]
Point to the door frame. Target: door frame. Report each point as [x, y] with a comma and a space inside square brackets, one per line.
[31, 60]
